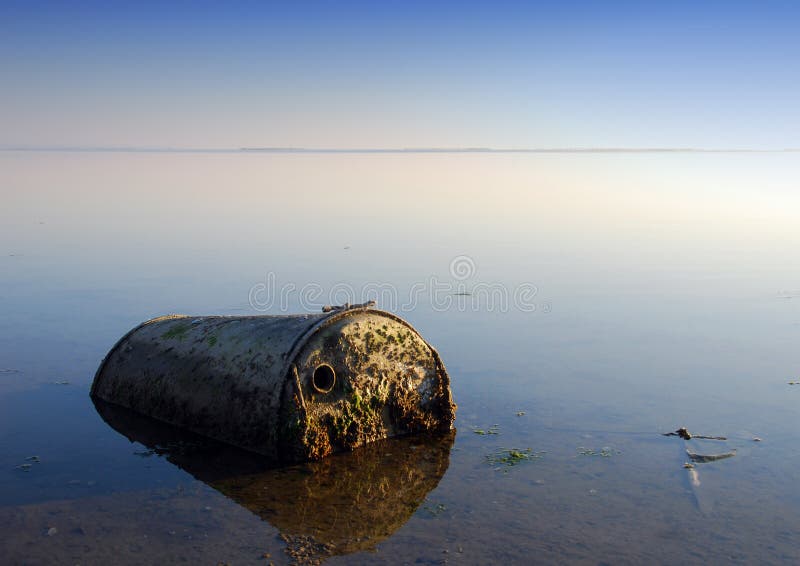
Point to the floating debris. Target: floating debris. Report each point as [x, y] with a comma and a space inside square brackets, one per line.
[436, 510]
[8, 370]
[756, 439]
[29, 462]
[62, 382]
[604, 452]
[794, 383]
[51, 531]
[507, 457]
[686, 435]
[704, 458]
[520, 413]
[692, 475]
[494, 429]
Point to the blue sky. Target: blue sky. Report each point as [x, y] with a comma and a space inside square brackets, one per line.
[400, 74]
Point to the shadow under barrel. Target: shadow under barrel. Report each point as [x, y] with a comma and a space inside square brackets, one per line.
[293, 388]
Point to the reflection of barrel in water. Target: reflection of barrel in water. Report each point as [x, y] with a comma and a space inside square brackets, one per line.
[346, 503]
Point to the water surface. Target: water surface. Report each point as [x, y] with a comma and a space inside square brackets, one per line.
[660, 291]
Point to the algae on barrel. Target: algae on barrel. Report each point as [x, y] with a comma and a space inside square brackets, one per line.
[293, 387]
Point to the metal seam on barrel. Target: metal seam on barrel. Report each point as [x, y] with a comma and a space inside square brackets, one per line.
[299, 390]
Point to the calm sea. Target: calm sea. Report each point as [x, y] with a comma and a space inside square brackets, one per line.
[583, 305]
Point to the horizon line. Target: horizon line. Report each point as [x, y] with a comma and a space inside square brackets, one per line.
[384, 150]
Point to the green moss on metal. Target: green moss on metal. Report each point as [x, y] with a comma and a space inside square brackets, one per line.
[358, 421]
[388, 383]
[178, 331]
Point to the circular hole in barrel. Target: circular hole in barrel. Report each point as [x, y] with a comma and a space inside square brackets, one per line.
[324, 378]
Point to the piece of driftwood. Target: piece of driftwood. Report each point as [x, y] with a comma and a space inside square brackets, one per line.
[686, 435]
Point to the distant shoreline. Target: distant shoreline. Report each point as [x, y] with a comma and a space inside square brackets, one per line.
[387, 150]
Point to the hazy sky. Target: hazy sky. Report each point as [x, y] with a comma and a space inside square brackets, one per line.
[383, 74]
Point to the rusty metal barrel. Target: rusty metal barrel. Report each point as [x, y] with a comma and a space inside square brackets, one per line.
[292, 387]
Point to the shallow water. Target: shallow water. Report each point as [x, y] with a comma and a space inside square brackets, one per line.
[615, 298]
